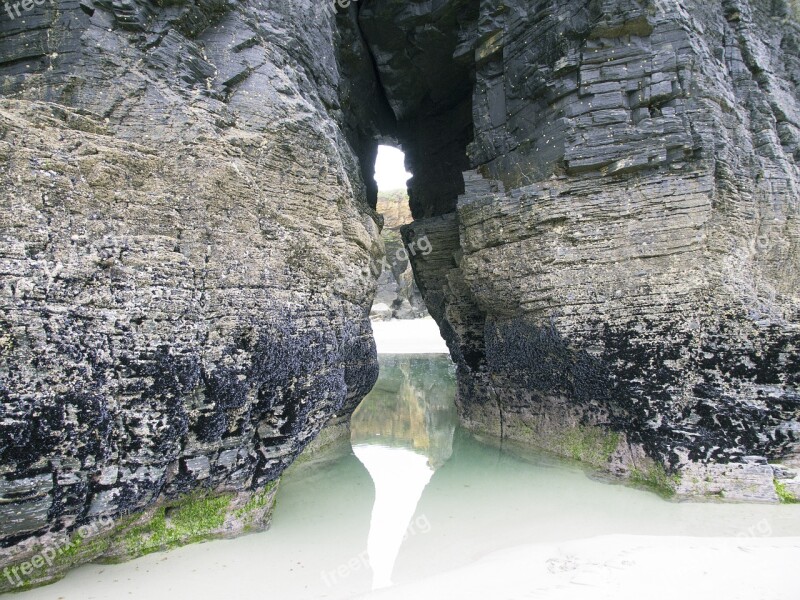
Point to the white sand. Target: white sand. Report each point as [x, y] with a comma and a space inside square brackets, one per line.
[622, 567]
[612, 567]
[408, 336]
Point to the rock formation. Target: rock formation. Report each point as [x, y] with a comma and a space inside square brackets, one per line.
[188, 238]
[398, 296]
[186, 243]
[616, 272]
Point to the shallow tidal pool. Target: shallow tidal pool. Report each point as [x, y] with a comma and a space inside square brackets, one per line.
[414, 497]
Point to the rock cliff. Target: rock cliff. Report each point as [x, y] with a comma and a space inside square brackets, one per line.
[616, 272]
[609, 189]
[186, 243]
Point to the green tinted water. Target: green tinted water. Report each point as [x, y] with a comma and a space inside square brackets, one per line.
[416, 496]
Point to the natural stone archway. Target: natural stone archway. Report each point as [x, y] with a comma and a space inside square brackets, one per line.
[616, 272]
[427, 80]
[609, 187]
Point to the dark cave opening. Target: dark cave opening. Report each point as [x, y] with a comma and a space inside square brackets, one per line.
[425, 69]
[423, 78]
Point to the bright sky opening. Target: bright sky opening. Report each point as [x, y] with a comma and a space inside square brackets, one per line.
[390, 172]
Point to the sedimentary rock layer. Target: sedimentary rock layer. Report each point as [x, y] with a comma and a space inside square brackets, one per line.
[616, 272]
[609, 189]
[185, 248]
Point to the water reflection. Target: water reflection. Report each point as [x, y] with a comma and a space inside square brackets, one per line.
[402, 432]
[479, 500]
[399, 476]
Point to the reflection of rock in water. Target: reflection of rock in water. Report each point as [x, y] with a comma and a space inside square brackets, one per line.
[411, 406]
[402, 432]
[399, 476]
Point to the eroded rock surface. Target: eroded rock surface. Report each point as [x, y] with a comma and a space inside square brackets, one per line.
[616, 272]
[609, 189]
[185, 248]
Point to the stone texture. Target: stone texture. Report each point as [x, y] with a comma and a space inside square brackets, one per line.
[185, 248]
[623, 253]
[423, 54]
[609, 189]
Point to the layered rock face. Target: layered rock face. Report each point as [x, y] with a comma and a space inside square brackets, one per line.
[186, 248]
[616, 272]
[609, 189]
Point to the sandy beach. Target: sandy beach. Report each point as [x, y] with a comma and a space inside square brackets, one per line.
[622, 567]
[412, 336]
